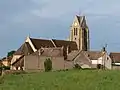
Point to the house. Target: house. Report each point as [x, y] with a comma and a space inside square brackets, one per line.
[6, 61]
[115, 56]
[32, 45]
[39, 57]
[35, 61]
[78, 57]
[25, 49]
[79, 40]
[99, 58]
[90, 59]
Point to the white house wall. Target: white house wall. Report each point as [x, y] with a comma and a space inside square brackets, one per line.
[117, 63]
[108, 62]
[99, 61]
[105, 60]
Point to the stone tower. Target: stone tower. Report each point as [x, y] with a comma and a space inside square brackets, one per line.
[80, 33]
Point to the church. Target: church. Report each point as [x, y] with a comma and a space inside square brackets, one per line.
[64, 54]
[79, 33]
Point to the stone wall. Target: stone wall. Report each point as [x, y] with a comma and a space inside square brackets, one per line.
[34, 62]
[116, 67]
[69, 64]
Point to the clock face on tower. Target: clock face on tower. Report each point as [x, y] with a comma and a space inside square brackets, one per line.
[75, 24]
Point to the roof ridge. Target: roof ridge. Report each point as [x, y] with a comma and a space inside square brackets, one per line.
[62, 40]
[40, 39]
[93, 51]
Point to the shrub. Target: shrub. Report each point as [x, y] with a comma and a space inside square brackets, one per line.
[5, 67]
[99, 66]
[48, 65]
[1, 68]
[77, 66]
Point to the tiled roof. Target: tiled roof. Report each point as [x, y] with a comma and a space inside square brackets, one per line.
[25, 49]
[79, 57]
[62, 43]
[79, 18]
[115, 56]
[93, 55]
[38, 43]
[82, 21]
[72, 55]
[82, 59]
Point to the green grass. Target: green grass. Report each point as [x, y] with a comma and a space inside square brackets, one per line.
[68, 80]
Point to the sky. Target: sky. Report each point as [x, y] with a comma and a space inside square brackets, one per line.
[52, 19]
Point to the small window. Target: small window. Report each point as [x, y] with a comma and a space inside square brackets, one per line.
[76, 31]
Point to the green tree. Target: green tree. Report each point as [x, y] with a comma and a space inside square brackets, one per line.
[48, 65]
[10, 53]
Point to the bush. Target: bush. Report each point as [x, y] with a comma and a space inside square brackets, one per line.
[48, 65]
[1, 68]
[77, 66]
[5, 68]
[99, 66]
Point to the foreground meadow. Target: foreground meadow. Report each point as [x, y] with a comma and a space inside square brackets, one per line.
[64, 80]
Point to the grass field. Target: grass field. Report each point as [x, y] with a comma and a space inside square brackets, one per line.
[68, 80]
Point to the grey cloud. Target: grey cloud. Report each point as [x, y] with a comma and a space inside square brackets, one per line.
[18, 18]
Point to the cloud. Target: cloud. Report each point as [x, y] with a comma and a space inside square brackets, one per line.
[18, 18]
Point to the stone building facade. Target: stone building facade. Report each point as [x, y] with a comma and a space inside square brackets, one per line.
[80, 33]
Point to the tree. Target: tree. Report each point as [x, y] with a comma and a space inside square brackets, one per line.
[10, 53]
[48, 65]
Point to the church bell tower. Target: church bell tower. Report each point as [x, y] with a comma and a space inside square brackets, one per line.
[80, 33]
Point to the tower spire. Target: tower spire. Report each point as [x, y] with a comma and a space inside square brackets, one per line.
[80, 33]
